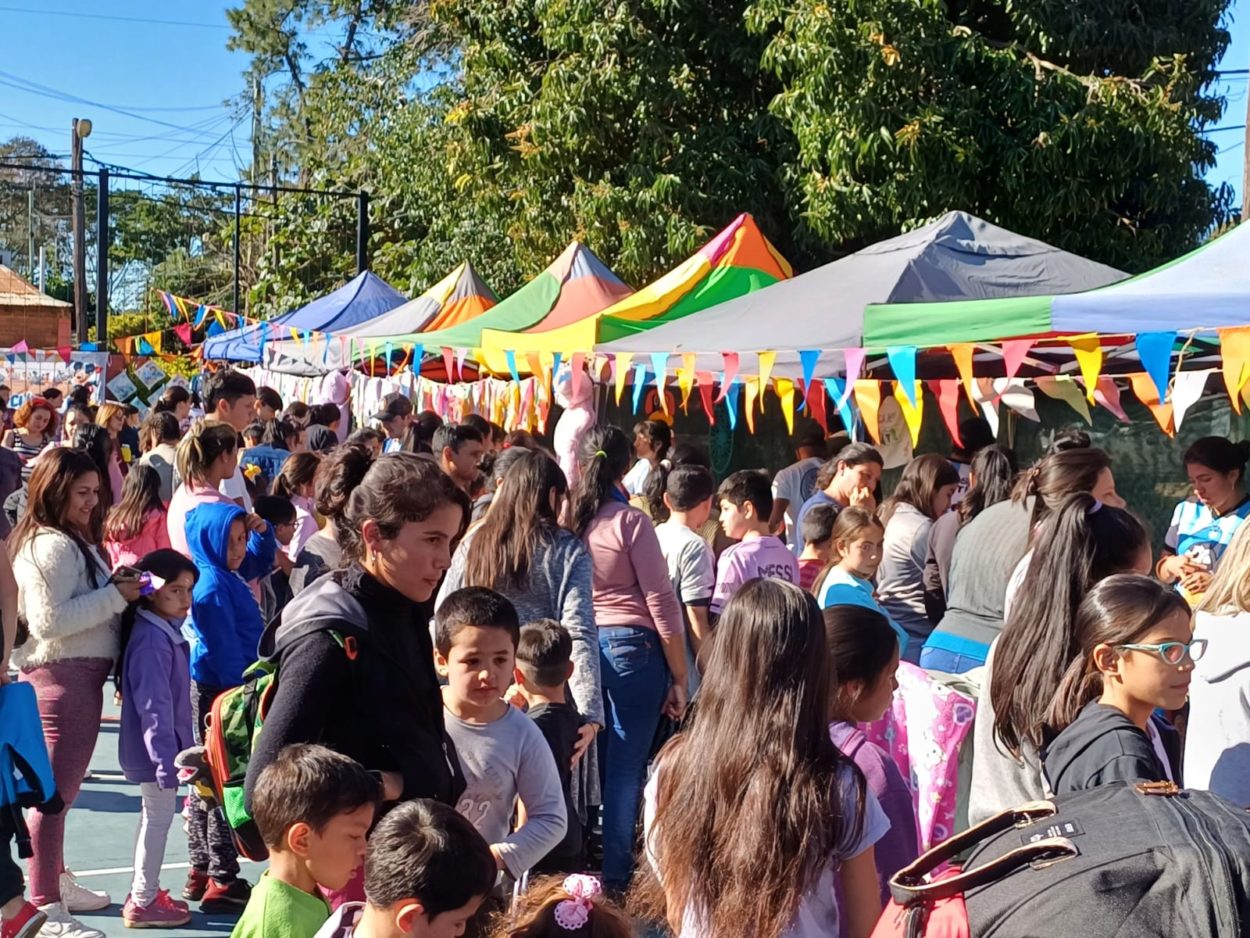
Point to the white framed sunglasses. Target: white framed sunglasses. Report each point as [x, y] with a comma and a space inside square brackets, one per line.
[1173, 653]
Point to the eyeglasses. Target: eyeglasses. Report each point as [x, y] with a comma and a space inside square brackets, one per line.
[1173, 653]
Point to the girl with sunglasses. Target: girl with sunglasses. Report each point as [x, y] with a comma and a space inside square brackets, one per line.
[1136, 655]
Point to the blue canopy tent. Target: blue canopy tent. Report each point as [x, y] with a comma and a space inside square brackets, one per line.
[361, 299]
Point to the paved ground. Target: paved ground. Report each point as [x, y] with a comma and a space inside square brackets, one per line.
[99, 843]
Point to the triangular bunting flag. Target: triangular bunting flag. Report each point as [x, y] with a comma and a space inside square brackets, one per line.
[912, 406]
[622, 373]
[640, 384]
[64, 352]
[659, 364]
[903, 364]
[1187, 388]
[704, 380]
[685, 380]
[854, 358]
[946, 391]
[731, 373]
[1064, 388]
[1015, 351]
[577, 373]
[785, 394]
[21, 348]
[1015, 396]
[1154, 349]
[183, 332]
[1088, 349]
[962, 353]
[808, 359]
[987, 401]
[840, 393]
[753, 391]
[767, 360]
[1235, 353]
[1107, 393]
[868, 400]
[815, 405]
[731, 402]
[1143, 385]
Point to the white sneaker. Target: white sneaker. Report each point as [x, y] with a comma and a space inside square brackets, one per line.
[78, 898]
[61, 924]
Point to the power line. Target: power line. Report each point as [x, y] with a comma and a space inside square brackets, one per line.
[1216, 130]
[118, 19]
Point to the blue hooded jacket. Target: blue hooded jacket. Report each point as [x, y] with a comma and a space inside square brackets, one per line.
[225, 624]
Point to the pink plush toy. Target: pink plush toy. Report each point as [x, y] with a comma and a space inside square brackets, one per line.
[578, 417]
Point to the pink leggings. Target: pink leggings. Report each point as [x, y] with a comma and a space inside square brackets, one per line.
[71, 699]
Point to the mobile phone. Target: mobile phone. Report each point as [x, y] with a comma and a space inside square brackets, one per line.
[125, 574]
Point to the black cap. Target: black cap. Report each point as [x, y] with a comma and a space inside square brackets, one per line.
[393, 405]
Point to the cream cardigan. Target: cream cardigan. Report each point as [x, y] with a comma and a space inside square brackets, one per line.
[67, 617]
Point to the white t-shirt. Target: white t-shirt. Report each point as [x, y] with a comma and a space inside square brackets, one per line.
[637, 477]
[689, 561]
[235, 488]
[796, 484]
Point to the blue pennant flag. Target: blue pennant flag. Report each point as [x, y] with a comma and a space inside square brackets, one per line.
[90, 347]
[837, 388]
[903, 364]
[556, 358]
[808, 358]
[1155, 351]
[731, 403]
[640, 383]
[510, 355]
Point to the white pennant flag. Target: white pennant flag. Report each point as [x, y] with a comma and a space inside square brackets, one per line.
[1187, 387]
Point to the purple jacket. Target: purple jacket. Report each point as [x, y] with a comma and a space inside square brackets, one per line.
[901, 845]
[156, 701]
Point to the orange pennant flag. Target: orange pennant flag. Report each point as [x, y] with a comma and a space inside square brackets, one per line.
[868, 400]
[962, 353]
[1235, 352]
[1144, 387]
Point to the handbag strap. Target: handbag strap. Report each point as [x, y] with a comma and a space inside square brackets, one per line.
[916, 874]
[1047, 850]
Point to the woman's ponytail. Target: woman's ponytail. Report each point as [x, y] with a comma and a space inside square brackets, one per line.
[604, 460]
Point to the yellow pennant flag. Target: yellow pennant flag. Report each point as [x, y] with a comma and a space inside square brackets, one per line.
[753, 391]
[295, 334]
[685, 379]
[1088, 349]
[962, 353]
[868, 400]
[1235, 352]
[1063, 388]
[623, 360]
[911, 415]
[785, 393]
[767, 360]
[154, 340]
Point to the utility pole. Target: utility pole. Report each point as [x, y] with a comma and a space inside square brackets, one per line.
[102, 240]
[362, 232]
[30, 232]
[238, 210]
[81, 130]
[1245, 167]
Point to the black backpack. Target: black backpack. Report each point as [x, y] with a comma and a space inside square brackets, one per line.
[1124, 859]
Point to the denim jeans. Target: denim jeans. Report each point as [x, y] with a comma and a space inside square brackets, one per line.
[949, 662]
[635, 680]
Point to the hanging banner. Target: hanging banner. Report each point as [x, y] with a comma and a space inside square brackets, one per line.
[1064, 388]
[510, 358]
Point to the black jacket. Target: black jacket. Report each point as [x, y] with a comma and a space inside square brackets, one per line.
[382, 707]
[1103, 745]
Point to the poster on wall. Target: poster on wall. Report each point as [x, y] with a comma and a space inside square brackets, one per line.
[32, 372]
[122, 388]
[895, 445]
[150, 375]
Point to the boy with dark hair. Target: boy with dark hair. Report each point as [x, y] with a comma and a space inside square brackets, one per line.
[395, 416]
[503, 754]
[544, 664]
[230, 398]
[323, 427]
[313, 807]
[817, 530]
[426, 872]
[458, 449]
[482, 426]
[253, 433]
[268, 404]
[746, 504]
[688, 492]
[275, 589]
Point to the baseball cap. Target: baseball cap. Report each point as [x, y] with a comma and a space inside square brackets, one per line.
[393, 405]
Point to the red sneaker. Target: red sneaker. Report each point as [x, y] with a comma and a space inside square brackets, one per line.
[25, 924]
[162, 912]
[197, 882]
[226, 897]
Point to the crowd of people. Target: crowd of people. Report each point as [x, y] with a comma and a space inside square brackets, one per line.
[486, 681]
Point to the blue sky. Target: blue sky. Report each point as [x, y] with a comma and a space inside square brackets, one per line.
[166, 64]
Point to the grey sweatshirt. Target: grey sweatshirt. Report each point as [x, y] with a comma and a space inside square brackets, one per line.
[1217, 744]
[900, 578]
[559, 586]
[502, 761]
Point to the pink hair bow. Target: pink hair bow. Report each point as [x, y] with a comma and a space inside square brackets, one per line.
[573, 914]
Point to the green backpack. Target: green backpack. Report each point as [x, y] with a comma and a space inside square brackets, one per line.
[234, 725]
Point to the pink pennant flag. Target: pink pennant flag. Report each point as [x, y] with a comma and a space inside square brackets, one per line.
[448, 360]
[854, 364]
[731, 372]
[1107, 393]
[64, 351]
[578, 376]
[21, 348]
[1014, 353]
[183, 332]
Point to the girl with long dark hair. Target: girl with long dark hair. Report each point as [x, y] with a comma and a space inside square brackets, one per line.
[1082, 543]
[641, 637]
[520, 550]
[752, 812]
[652, 440]
[136, 525]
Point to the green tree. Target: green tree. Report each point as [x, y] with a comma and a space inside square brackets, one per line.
[1078, 123]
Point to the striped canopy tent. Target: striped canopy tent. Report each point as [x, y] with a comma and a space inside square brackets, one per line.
[457, 298]
[362, 298]
[736, 261]
[1191, 302]
[573, 284]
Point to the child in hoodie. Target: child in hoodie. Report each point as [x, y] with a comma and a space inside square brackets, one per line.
[154, 677]
[228, 547]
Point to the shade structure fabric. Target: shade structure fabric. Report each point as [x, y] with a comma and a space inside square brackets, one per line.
[576, 280]
[1204, 290]
[738, 260]
[459, 297]
[362, 298]
[956, 257]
